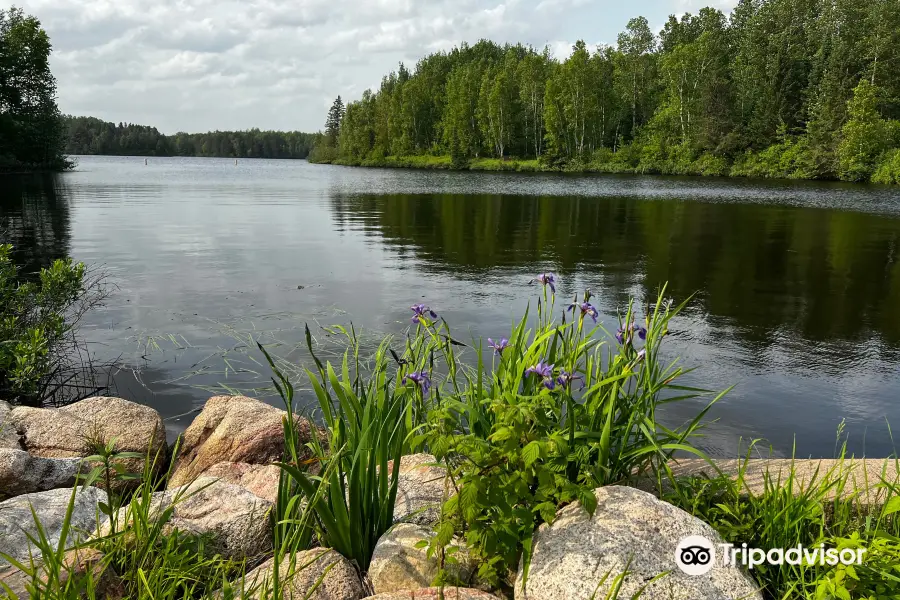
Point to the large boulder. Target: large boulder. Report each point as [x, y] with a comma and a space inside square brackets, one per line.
[9, 437]
[233, 429]
[22, 473]
[78, 429]
[422, 487]
[397, 564]
[632, 529]
[436, 593]
[17, 522]
[318, 574]
[235, 521]
[262, 480]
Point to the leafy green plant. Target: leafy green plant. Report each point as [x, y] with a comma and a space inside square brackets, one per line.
[558, 413]
[38, 320]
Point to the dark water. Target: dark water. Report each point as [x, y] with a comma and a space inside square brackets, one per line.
[797, 285]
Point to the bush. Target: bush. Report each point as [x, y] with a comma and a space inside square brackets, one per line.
[558, 413]
[38, 324]
[888, 169]
[323, 154]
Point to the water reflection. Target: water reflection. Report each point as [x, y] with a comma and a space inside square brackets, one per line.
[35, 219]
[768, 271]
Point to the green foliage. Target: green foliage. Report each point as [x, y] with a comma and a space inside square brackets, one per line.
[87, 135]
[333, 122]
[765, 89]
[790, 159]
[888, 169]
[37, 319]
[519, 444]
[153, 561]
[366, 421]
[808, 509]
[865, 136]
[31, 135]
[323, 154]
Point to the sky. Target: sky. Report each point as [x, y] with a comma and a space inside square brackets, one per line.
[201, 65]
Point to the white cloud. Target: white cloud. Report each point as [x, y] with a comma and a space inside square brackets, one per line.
[196, 65]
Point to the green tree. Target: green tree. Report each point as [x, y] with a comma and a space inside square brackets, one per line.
[636, 46]
[865, 136]
[333, 122]
[31, 135]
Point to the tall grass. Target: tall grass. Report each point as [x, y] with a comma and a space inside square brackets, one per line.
[353, 497]
[836, 505]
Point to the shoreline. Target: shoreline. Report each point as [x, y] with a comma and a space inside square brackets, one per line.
[444, 163]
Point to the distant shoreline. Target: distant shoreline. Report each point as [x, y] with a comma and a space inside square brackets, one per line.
[444, 163]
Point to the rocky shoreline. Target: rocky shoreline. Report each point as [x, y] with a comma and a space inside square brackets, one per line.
[224, 468]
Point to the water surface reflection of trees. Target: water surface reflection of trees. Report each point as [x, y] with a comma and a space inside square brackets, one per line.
[825, 275]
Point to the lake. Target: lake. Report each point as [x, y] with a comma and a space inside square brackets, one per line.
[796, 285]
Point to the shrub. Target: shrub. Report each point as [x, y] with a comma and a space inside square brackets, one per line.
[323, 153]
[888, 169]
[557, 414]
[38, 325]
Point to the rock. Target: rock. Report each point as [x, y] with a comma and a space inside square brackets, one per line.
[9, 438]
[15, 580]
[232, 429]
[65, 432]
[75, 430]
[262, 480]
[16, 520]
[572, 555]
[235, 520]
[22, 473]
[398, 565]
[339, 579]
[50, 433]
[436, 593]
[420, 490]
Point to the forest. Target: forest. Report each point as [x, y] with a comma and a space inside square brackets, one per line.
[779, 88]
[31, 134]
[88, 135]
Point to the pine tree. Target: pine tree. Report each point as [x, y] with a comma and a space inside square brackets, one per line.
[333, 122]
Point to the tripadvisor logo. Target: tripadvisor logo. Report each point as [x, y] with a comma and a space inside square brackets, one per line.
[696, 555]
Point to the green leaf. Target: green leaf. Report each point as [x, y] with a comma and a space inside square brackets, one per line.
[531, 453]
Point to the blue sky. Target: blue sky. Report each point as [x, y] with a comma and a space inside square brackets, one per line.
[198, 65]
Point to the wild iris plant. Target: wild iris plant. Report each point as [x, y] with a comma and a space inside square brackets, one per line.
[520, 440]
[563, 407]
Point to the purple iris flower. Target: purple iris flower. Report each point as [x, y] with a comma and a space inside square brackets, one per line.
[565, 379]
[642, 354]
[586, 309]
[420, 310]
[499, 346]
[546, 279]
[540, 369]
[421, 379]
[626, 329]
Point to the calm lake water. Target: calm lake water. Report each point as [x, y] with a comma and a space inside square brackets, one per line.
[796, 285]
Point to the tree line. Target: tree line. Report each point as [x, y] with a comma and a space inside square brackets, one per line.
[779, 88]
[31, 134]
[88, 135]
